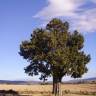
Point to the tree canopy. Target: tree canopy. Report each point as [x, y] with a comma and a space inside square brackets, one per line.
[54, 51]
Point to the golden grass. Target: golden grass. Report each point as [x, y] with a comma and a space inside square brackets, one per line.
[42, 90]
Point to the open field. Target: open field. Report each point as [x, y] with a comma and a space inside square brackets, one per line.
[45, 90]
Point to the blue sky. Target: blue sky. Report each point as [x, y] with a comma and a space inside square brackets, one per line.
[18, 18]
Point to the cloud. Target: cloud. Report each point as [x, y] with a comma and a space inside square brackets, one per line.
[76, 11]
[59, 8]
[87, 21]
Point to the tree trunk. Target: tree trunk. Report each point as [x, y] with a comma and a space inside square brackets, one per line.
[57, 86]
[54, 86]
[59, 89]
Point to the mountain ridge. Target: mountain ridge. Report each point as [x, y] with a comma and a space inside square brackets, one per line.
[39, 82]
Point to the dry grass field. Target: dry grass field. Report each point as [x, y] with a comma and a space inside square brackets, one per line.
[45, 90]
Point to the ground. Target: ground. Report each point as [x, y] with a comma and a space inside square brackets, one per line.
[45, 90]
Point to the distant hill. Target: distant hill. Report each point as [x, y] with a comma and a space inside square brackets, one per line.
[94, 78]
[18, 82]
[87, 80]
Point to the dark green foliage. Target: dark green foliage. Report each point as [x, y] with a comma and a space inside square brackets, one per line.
[54, 51]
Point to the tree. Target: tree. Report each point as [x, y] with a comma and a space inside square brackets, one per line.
[56, 52]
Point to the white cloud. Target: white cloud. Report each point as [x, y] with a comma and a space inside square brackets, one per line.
[59, 8]
[87, 21]
[83, 20]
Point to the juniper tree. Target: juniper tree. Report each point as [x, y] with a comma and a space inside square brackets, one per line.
[54, 51]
